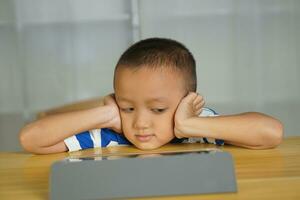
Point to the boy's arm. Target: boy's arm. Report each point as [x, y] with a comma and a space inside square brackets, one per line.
[47, 134]
[250, 130]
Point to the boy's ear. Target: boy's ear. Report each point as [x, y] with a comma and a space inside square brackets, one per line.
[113, 95]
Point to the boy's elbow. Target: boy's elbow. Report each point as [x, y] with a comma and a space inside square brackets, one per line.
[274, 134]
[23, 139]
[26, 140]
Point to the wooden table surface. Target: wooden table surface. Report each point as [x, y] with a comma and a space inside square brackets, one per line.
[261, 174]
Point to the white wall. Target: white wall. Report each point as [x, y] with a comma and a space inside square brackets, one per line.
[247, 51]
[55, 52]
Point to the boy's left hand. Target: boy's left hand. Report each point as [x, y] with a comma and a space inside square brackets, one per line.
[190, 106]
[115, 122]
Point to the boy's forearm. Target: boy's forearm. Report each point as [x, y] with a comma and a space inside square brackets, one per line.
[251, 130]
[54, 129]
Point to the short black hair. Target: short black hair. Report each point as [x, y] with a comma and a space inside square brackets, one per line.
[161, 52]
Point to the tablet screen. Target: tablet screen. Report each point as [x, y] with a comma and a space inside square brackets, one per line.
[141, 155]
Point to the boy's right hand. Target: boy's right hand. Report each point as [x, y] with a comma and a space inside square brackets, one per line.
[115, 122]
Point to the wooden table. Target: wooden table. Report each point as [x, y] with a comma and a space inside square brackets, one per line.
[261, 174]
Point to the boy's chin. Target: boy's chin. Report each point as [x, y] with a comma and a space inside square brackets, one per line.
[147, 147]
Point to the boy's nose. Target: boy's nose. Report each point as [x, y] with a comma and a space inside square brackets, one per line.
[141, 122]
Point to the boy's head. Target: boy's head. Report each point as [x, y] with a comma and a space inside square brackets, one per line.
[151, 78]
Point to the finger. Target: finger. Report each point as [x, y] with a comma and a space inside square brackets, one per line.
[189, 98]
[202, 102]
[198, 99]
[199, 104]
[198, 111]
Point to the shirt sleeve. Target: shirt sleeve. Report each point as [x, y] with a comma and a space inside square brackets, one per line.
[95, 138]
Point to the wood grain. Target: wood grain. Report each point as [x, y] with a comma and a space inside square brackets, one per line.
[261, 174]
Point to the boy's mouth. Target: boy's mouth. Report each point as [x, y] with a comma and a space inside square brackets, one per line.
[144, 138]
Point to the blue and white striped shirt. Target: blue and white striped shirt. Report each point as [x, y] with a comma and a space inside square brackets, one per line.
[106, 137]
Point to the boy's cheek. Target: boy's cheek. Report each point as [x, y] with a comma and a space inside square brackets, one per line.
[124, 120]
[126, 124]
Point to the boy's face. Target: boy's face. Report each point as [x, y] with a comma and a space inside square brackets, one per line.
[148, 99]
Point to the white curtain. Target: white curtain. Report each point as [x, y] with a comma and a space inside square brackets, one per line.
[58, 51]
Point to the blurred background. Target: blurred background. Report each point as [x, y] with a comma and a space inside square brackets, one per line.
[62, 51]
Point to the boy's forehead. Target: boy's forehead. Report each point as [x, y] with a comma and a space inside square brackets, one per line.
[149, 84]
[128, 75]
[148, 99]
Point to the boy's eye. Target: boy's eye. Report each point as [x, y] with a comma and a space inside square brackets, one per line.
[127, 110]
[158, 110]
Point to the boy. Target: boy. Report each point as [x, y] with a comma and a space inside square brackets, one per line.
[155, 102]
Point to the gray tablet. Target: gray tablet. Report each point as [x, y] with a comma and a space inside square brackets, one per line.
[111, 177]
